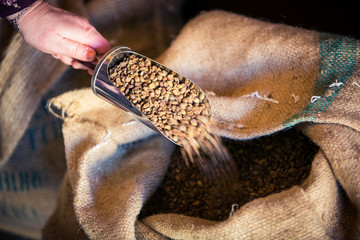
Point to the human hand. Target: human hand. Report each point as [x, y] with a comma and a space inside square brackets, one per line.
[63, 34]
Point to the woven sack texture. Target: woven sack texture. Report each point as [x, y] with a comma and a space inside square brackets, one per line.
[261, 78]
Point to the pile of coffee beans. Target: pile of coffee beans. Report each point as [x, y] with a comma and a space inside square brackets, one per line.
[264, 166]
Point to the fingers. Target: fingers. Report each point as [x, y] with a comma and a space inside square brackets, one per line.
[84, 47]
[73, 49]
[71, 62]
[86, 34]
[63, 34]
[97, 42]
[77, 65]
[64, 59]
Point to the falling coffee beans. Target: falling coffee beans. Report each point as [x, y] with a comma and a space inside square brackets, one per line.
[174, 104]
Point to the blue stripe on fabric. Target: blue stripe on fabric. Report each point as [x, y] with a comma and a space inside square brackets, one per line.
[338, 60]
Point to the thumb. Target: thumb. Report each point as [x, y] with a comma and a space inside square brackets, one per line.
[76, 50]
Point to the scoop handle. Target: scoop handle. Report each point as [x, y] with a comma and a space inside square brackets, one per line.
[87, 64]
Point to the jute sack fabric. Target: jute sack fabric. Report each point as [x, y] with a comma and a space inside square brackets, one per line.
[261, 78]
[32, 156]
[31, 144]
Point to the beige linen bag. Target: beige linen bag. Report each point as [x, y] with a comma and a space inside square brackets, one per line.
[261, 78]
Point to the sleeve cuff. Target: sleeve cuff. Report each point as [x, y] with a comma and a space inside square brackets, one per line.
[7, 9]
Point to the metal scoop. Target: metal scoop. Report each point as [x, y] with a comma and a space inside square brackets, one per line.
[104, 88]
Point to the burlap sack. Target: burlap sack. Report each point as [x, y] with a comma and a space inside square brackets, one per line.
[261, 78]
[32, 154]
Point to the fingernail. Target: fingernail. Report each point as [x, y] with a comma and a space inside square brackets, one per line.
[56, 56]
[90, 55]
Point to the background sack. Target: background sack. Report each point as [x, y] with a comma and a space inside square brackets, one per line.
[261, 78]
[32, 156]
